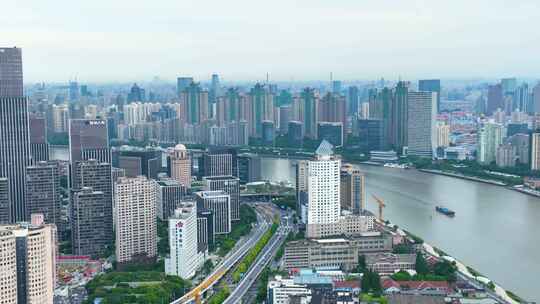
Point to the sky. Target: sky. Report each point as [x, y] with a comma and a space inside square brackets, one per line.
[121, 40]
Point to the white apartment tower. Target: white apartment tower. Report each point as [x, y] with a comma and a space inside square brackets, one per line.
[535, 151]
[135, 212]
[184, 256]
[323, 181]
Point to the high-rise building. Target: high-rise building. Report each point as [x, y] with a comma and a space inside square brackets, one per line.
[353, 189]
[443, 135]
[521, 142]
[508, 85]
[170, 194]
[332, 108]
[205, 230]
[11, 72]
[535, 151]
[219, 202]
[370, 131]
[268, 132]
[489, 138]
[352, 100]
[39, 148]
[506, 156]
[43, 192]
[185, 258]
[182, 83]
[330, 131]
[136, 93]
[495, 99]
[400, 116]
[323, 178]
[295, 134]
[381, 108]
[14, 130]
[219, 161]
[231, 186]
[28, 262]
[535, 108]
[309, 112]
[262, 108]
[91, 209]
[195, 102]
[249, 168]
[136, 227]
[138, 161]
[336, 87]
[5, 215]
[431, 85]
[421, 130]
[60, 118]
[214, 88]
[74, 92]
[88, 140]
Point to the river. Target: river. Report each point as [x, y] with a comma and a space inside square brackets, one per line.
[495, 230]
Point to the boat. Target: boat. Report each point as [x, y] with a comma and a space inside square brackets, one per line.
[445, 211]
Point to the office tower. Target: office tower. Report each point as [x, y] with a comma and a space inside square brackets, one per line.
[60, 118]
[421, 130]
[506, 156]
[535, 99]
[295, 134]
[88, 140]
[136, 93]
[138, 161]
[249, 168]
[219, 202]
[92, 214]
[370, 132]
[431, 85]
[353, 189]
[219, 161]
[336, 87]
[489, 138]
[262, 108]
[91, 112]
[28, 262]
[332, 108]
[195, 101]
[14, 133]
[268, 132]
[400, 121]
[521, 100]
[43, 192]
[323, 181]
[508, 85]
[535, 151]
[184, 259]
[284, 118]
[5, 215]
[182, 83]
[179, 165]
[136, 228]
[170, 194]
[74, 91]
[443, 134]
[352, 100]
[521, 142]
[381, 108]
[11, 73]
[309, 111]
[39, 148]
[330, 131]
[88, 235]
[205, 230]
[231, 186]
[495, 99]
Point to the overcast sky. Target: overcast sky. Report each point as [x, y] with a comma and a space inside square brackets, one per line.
[121, 40]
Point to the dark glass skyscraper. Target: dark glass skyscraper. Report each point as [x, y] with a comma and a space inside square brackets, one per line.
[14, 132]
[431, 85]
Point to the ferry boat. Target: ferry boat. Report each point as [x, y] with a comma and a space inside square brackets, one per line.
[445, 211]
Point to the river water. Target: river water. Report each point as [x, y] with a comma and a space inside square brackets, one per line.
[495, 230]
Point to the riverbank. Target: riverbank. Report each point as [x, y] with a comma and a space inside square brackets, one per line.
[494, 290]
[461, 176]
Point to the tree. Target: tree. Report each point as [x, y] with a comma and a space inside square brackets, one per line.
[421, 266]
[361, 263]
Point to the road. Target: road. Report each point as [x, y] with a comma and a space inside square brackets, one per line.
[240, 249]
[260, 263]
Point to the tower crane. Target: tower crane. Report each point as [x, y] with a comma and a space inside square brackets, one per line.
[381, 206]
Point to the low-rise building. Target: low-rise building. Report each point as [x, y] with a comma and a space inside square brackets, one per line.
[281, 290]
[388, 263]
[335, 252]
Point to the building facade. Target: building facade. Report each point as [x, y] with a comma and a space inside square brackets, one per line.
[179, 165]
[231, 186]
[219, 202]
[421, 134]
[43, 192]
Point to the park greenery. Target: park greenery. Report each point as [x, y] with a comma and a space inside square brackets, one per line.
[163, 236]
[440, 271]
[252, 254]
[224, 243]
[136, 287]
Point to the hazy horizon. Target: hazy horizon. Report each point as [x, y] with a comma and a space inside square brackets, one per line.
[126, 41]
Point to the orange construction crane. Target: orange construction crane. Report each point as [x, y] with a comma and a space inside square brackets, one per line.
[381, 206]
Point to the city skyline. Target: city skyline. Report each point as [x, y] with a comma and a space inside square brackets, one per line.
[417, 39]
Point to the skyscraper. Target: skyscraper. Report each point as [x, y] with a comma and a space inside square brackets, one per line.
[323, 179]
[43, 192]
[535, 151]
[39, 148]
[262, 108]
[309, 112]
[219, 161]
[231, 186]
[352, 100]
[495, 99]
[421, 137]
[182, 83]
[214, 89]
[179, 165]
[88, 140]
[400, 116]
[5, 215]
[28, 262]
[14, 130]
[219, 202]
[431, 85]
[489, 138]
[170, 194]
[196, 105]
[136, 227]
[353, 189]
